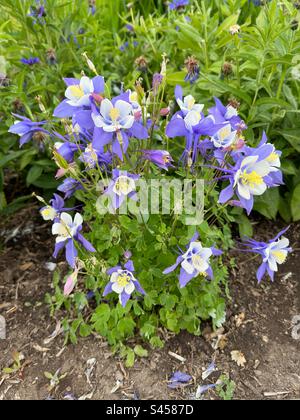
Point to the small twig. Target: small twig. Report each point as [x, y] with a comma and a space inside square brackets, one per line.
[177, 356]
[276, 394]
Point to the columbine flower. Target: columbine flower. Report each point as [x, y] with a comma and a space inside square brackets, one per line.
[193, 70]
[123, 282]
[235, 29]
[27, 129]
[161, 158]
[66, 150]
[92, 157]
[274, 253]
[114, 117]
[225, 137]
[178, 4]
[272, 157]
[67, 233]
[53, 211]
[30, 61]
[223, 114]
[249, 178]
[79, 94]
[188, 104]
[121, 187]
[69, 186]
[191, 124]
[115, 123]
[194, 262]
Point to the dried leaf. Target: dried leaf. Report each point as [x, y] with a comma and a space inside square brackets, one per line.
[239, 319]
[40, 349]
[238, 357]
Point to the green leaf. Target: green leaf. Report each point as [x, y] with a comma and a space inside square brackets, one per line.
[140, 351]
[12, 156]
[268, 204]
[245, 226]
[34, 173]
[85, 330]
[130, 359]
[295, 204]
[46, 181]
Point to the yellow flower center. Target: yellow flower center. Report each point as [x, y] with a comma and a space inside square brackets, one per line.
[166, 159]
[280, 256]
[191, 103]
[133, 97]
[123, 185]
[114, 114]
[48, 212]
[273, 157]
[225, 132]
[252, 180]
[123, 280]
[77, 92]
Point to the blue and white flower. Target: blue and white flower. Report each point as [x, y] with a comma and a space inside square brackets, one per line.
[188, 104]
[79, 95]
[123, 282]
[273, 253]
[67, 232]
[249, 179]
[122, 187]
[225, 137]
[194, 262]
[114, 117]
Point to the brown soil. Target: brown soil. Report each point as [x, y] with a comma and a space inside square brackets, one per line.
[259, 324]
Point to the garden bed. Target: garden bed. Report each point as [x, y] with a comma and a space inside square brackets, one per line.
[259, 324]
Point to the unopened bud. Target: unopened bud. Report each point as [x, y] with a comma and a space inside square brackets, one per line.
[40, 103]
[90, 63]
[164, 112]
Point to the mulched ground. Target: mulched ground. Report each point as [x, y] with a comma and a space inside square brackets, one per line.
[259, 325]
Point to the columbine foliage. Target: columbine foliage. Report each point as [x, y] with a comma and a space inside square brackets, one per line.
[231, 121]
[121, 271]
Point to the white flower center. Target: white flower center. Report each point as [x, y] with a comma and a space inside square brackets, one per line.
[124, 185]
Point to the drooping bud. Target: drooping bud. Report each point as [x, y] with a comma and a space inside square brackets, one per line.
[164, 112]
[90, 63]
[40, 103]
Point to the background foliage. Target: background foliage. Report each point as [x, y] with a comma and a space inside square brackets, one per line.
[260, 69]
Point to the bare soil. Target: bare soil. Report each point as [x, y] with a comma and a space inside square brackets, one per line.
[259, 325]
